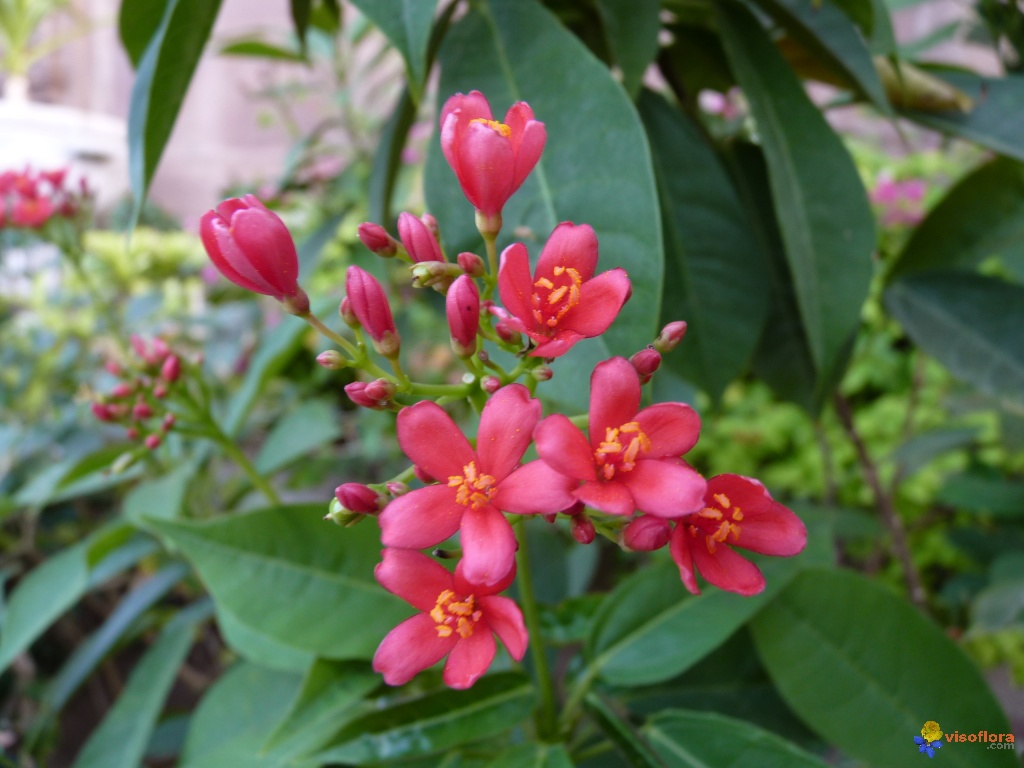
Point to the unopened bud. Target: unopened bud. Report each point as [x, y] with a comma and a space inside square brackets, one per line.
[168, 421]
[142, 410]
[462, 306]
[139, 345]
[434, 273]
[331, 359]
[338, 515]
[347, 315]
[171, 368]
[490, 384]
[160, 391]
[377, 239]
[112, 367]
[396, 488]
[420, 242]
[471, 264]
[132, 433]
[507, 333]
[542, 373]
[102, 412]
[370, 305]
[160, 349]
[122, 390]
[646, 534]
[582, 529]
[431, 223]
[670, 336]
[356, 497]
[646, 362]
[376, 395]
[380, 389]
[153, 442]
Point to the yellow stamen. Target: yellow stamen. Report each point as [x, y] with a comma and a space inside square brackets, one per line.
[501, 128]
[450, 615]
[474, 489]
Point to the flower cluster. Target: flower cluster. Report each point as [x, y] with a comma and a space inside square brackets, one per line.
[618, 470]
[901, 203]
[29, 199]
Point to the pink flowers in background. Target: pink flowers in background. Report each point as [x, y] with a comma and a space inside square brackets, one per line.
[30, 199]
[901, 202]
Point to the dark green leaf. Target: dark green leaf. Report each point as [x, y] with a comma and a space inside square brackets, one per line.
[631, 29]
[977, 492]
[851, 658]
[407, 24]
[702, 739]
[596, 167]
[294, 578]
[715, 271]
[826, 224]
[388, 158]
[969, 323]
[534, 756]
[161, 80]
[137, 22]
[981, 217]
[301, 11]
[434, 722]
[622, 734]
[861, 12]
[311, 425]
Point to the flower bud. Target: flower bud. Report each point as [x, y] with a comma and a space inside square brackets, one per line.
[380, 389]
[140, 347]
[168, 422]
[171, 369]
[418, 240]
[434, 273]
[670, 336]
[507, 333]
[132, 433]
[122, 390]
[159, 391]
[252, 248]
[462, 305]
[376, 395]
[160, 350]
[490, 384]
[431, 223]
[338, 515]
[347, 315]
[582, 529]
[370, 306]
[396, 488]
[377, 239]
[471, 264]
[142, 410]
[331, 360]
[542, 373]
[113, 367]
[102, 412]
[357, 497]
[646, 362]
[646, 534]
[153, 442]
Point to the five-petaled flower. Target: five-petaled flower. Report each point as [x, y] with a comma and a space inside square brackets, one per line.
[475, 485]
[926, 747]
[562, 302]
[457, 617]
[632, 460]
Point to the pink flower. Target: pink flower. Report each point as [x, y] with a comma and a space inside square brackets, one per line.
[462, 305]
[475, 485]
[490, 159]
[417, 239]
[632, 460]
[252, 248]
[563, 302]
[369, 304]
[457, 618]
[738, 512]
[31, 212]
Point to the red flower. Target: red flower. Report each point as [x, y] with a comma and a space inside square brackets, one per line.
[31, 212]
[738, 511]
[632, 460]
[563, 302]
[490, 159]
[252, 248]
[475, 485]
[456, 620]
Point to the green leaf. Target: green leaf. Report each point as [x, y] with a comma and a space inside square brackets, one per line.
[407, 24]
[251, 644]
[301, 11]
[860, 12]
[121, 739]
[701, 739]
[826, 224]
[981, 217]
[260, 49]
[534, 756]
[387, 160]
[596, 166]
[631, 28]
[715, 271]
[969, 323]
[293, 577]
[161, 498]
[995, 122]
[234, 717]
[917, 452]
[622, 734]
[852, 658]
[161, 80]
[977, 492]
[311, 425]
[137, 22]
[434, 722]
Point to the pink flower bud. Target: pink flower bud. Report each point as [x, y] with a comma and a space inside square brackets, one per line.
[646, 362]
[507, 333]
[168, 422]
[542, 373]
[160, 391]
[331, 360]
[132, 433]
[582, 529]
[113, 367]
[422, 476]
[373, 395]
[153, 442]
[122, 390]
[462, 305]
[171, 369]
[396, 488]
[102, 412]
[347, 315]
[377, 239]
[431, 223]
[490, 384]
[142, 410]
[380, 389]
[252, 248]
[160, 350]
[670, 336]
[471, 264]
[646, 534]
[418, 240]
[140, 346]
[356, 497]
[370, 306]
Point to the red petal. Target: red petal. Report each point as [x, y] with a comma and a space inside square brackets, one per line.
[412, 576]
[664, 488]
[726, 569]
[515, 285]
[614, 397]
[535, 489]
[470, 658]
[569, 246]
[226, 256]
[562, 446]
[672, 428]
[265, 239]
[420, 518]
[506, 620]
[601, 298]
[410, 648]
[429, 437]
[506, 427]
[486, 167]
[646, 533]
[464, 587]
[679, 548]
[556, 347]
[528, 150]
[767, 526]
[611, 497]
[488, 546]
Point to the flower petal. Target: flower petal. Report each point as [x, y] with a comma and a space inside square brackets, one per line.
[470, 658]
[429, 437]
[611, 497]
[601, 298]
[614, 397]
[506, 428]
[767, 527]
[527, 150]
[535, 489]
[725, 568]
[412, 576]
[562, 446]
[420, 518]
[515, 285]
[572, 246]
[679, 548]
[672, 428]
[563, 341]
[410, 648]
[488, 546]
[664, 488]
[486, 167]
[506, 620]
[464, 587]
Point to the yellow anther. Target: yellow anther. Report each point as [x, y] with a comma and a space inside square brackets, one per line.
[443, 630]
[544, 283]
[556, 296]
[711, 513]
[497, 127]
[474, 488]
[723, 500]
[737, 515]
[451, 615]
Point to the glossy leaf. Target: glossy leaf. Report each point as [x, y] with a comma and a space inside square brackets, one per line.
[826, 225]
[313, 424]
[534, 756]
[701, 739]
[715, 272]
[407, 24]
[137, 22]
[264, 651]
[969, 323]
[434, 722]
[981, 217]
[161, 81]
[631, 29]
[294, 578]
[621, 733]
[596, 166]
[852, 658]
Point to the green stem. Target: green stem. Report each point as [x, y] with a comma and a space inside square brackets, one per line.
[546, 712]
[259, 482]
[576, 695]
[490, 243]
[341, 341]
